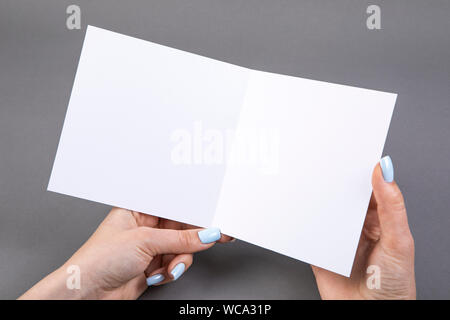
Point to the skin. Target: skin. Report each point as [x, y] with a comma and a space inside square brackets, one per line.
[129, 246]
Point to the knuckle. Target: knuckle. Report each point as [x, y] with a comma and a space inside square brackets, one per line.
[185, 239]
[397, 203]
[405, 243]
[398, 206]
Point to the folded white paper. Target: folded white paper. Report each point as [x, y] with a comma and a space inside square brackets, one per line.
[281, 162]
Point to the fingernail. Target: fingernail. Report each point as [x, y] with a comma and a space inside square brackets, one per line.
[387, 168]
[209, 235]
[178, 271]
[154, 279]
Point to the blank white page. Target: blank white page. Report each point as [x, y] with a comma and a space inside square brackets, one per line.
[312, 206]
[129, 98]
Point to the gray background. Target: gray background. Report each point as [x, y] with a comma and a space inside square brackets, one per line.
[324, 40]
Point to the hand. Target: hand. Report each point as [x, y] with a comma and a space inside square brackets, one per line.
[386, 243]
[128, 252]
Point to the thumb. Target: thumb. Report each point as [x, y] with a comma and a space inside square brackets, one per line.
[167, 241]
[390, 205]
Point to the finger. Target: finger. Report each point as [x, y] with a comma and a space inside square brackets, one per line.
[179, 265]
[174, 270]
[146, 220]
[390, 204]
[223, 239]
[166, 241]
[170, 224]
[371, 229]
[166, 259]
[186, 226]
[119, 219]
[155, 263]
[372, 202]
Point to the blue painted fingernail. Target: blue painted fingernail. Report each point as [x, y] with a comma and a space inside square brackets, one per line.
[388, 169]
[178, 271]
[154, 279]
[209, 235]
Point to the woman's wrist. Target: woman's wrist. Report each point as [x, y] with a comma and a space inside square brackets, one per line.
[64, 283]
[52, 287]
